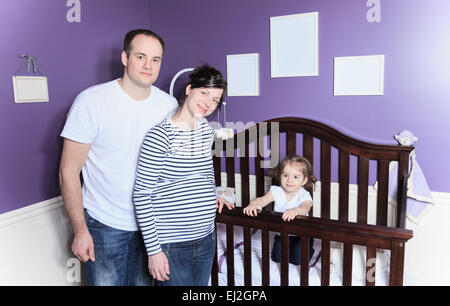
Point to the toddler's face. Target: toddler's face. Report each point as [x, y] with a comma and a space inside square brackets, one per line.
[292, 178]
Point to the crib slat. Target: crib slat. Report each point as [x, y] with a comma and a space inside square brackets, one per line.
[259, 172]
[382, 193]
[245, 183]
[347, 265]
[230, 254]
[371, 266]
[308, 148]
[291, 142]
[363, 185]
[230, 171]
[344, 173]
[265, 250]
[325, 179]
[304, 261]
[284, 239]
[274, 144]
[308, 153]
[217, 170]
[325, 277]
[247, 257]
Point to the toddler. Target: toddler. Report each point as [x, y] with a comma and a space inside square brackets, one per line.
[292, 198]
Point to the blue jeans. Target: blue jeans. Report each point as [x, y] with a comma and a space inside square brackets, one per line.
[294, 249]
[120, 257]
[190, 262]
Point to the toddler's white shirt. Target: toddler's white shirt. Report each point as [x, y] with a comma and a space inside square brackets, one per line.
[282, 204]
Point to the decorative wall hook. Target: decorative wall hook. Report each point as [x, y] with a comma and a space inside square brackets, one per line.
[31, 61]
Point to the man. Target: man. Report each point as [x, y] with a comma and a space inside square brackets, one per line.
[103, 133]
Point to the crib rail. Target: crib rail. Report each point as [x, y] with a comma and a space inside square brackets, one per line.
[349, 233]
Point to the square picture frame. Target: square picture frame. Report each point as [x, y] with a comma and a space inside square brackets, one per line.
[29, 89]
[243, 74]
[294, 45]
[359, 75]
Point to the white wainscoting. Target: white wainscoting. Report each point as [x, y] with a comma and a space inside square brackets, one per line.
[35, 241]
[427, 253]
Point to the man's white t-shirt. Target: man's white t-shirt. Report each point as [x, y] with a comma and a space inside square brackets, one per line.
[282, 204]
[115, 125]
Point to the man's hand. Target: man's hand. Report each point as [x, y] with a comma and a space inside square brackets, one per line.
[220, 202]
[158, 266]
[83, 246]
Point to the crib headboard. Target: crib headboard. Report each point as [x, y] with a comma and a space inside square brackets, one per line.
[316, 141]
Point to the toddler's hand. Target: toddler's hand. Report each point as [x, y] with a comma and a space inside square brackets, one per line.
[252, 209]
[290, 214]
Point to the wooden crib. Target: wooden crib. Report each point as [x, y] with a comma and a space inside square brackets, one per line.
[317, 143]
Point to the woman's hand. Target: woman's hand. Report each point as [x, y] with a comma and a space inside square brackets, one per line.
[158, 266]
[220, 202]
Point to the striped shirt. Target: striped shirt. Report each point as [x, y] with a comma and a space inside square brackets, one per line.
[175, 191]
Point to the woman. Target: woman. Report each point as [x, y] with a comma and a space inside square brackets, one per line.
[175, 192]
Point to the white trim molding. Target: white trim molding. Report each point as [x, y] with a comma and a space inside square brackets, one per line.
[21, 214]
[441, 198]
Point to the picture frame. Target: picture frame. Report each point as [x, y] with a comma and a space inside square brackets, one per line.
[359, 75]
[243, 74]
[294, 45]
[29, 89]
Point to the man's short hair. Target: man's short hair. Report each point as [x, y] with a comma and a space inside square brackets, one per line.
[131, 34]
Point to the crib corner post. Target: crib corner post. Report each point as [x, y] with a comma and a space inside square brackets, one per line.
[397, 263]
[402, 189]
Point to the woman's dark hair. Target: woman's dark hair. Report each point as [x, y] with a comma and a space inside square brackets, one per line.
[306, 166]
[206, 76]
[132, 34]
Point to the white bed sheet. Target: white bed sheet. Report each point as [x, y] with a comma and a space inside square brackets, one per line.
[359, 260]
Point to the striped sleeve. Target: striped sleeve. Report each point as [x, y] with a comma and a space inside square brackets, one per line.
[153, 154]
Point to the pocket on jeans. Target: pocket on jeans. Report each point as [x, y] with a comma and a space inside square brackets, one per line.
[91, 222]
[209, 239]
[166, 249]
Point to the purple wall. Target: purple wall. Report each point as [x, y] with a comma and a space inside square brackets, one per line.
[73, 56]
[413, 35]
